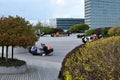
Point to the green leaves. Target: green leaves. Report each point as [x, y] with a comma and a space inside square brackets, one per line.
[79, 28]
[98, 60]
[114, 31]
[15, 29]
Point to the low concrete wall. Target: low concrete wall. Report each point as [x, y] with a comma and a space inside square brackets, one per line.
[13, 69]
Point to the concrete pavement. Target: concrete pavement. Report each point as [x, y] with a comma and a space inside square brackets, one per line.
[45, 67]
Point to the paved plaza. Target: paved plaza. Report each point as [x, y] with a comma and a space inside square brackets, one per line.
[44, 67]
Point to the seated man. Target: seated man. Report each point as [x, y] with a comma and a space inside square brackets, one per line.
[47, 49]
[34, 49]
[50, 49]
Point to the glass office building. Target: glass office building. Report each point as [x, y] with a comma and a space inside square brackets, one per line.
[102, 13]
[66, 23]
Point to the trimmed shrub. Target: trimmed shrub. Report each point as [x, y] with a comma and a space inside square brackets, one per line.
[114, 31]
[64, 61]
[90, 32]
[79, 28]
[104, 33]
[98, 31]
[98, 60]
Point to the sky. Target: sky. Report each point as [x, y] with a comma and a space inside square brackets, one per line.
[40, 10]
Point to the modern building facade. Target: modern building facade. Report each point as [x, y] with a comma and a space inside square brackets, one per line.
[66, 23]
[102, 13]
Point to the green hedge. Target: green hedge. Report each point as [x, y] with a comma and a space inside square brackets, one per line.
[98, 60]
[90, 32]
[114, 31]
[98, 31]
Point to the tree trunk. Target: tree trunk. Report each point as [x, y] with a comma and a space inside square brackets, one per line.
[6, 53]
[2, 52]
[12, 52]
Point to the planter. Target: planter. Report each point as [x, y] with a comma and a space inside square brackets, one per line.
[13, 69]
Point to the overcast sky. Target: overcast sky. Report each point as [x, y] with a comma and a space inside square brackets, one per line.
[37, 10]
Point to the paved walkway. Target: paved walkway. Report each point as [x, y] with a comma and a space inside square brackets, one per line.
[44, 67]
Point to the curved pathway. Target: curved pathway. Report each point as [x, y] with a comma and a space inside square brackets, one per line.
[44, 67]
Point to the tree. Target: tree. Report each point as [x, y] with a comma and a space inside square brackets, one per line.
[4, 41]
[46, 29]
[16, 31]
[79, 28]
[38, 26]
[57, 29]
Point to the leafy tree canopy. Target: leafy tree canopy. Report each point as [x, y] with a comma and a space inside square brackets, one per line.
[16, 31]
[46, 29]
[79, 28]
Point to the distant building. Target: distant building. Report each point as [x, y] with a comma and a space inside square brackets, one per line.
[66, 23]
[102, 13]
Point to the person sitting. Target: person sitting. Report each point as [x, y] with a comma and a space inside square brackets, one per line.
[50, 49]
[94, 37]
[34, 49]
[85, 39]
[47, 49]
